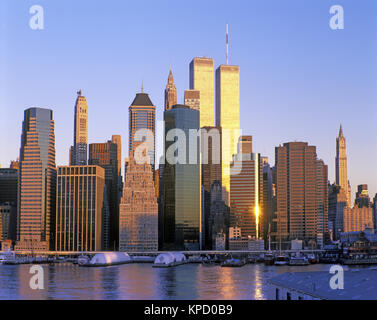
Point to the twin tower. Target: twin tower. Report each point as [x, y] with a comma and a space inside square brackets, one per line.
[216, 96]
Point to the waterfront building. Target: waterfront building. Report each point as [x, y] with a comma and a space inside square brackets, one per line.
[108, 156]
[170, 92]
[228, 118]
[341, 175]
[362, 196]
[357, 219]
[301, 192]
[37, 181]
[142, 116]
[192, 99]
[79, 150]
[181, 181]
[246, 190]
[138, 212]
[337, 203]
[202, 80]
[8, 185]
[8, 221]
[80, 208]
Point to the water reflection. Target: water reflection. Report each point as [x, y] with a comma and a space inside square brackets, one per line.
[141, 281]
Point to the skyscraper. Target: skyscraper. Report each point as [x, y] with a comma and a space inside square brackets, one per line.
[341, 178]
[79, 150]
[138, 213]
[108, 156]
[181, 182]
[227, 117]
[142, 119]
[37, 184]
[202, 79]
[80, 207]
[170, 92]
[375, 212]
[246, 193]
[301, 180]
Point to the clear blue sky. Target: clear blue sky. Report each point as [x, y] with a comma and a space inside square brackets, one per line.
[298, 78]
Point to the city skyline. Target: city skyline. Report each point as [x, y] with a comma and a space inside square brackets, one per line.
[343, 107]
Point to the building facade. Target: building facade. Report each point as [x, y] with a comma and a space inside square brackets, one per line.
[37, 181]
[170, 92]
[341, 167]
[138, 215]
[181, 180]
[337, 204]
[301, 193]
[80, 208]
[357, 219]
[8, 221]
[202, 80]
[8, 185]
[79, 150]
[108, 156]
[228, 118]
[246, 193]
[142, 122]
[362, 196]
[192, 99]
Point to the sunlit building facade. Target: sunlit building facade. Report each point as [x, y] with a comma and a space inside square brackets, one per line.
[80, 208]
[79, 150]
[202, 79]
[341, 166]
[170, 92]
[228, 118]
[37, 181]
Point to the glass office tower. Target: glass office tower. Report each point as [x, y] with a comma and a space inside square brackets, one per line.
[182, 195]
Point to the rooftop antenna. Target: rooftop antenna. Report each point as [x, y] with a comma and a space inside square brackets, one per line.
[79, 93]
[142, 86]
[227, 45]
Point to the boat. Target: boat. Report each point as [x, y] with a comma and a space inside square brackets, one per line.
[4, 256]
[298, 261]
[281, 260]
[81, 260]
[233, 263]
[268, 258]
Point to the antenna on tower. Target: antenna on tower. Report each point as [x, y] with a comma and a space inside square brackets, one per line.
[142, 86]
[227, 45]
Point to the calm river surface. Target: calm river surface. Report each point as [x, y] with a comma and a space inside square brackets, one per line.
[141, 281]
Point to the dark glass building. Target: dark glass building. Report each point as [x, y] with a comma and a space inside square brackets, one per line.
[181, 180]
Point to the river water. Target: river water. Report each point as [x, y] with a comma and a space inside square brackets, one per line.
[141, 281]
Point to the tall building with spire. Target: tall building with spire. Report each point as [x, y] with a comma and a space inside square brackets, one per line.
[170, 92]
[79, 150]
[142, 115]
[37, 181]
[341, 176]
